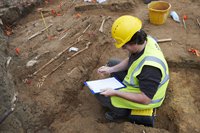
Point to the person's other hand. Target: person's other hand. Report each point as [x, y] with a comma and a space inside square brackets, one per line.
[108, 92]
[105, 70]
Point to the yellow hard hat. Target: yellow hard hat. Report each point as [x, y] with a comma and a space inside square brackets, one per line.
[124, 28]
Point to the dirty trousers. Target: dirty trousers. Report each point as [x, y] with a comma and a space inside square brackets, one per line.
[105, 101]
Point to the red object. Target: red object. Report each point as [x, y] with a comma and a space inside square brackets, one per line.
[185, 17]
[51, 38]
[194, 51]
[17, 50]
[53, 12]
[8, 31]
[78, 15]
[29, 81]
[58, 14]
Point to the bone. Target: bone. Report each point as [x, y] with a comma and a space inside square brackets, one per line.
[31, 63]
[41, 81]
[8, 61]
[164, 40]
[14, 99]
[35, 60]
[86, 28]
[59, 54]
[79, 38]
[87, 46]
[52, 59]
[39, 32]
[63, 36]
[103, 22]
[1, 22]
[198, 22]
[38, 56]
[56, 68]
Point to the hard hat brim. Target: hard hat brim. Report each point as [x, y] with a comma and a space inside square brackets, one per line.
[119, 45]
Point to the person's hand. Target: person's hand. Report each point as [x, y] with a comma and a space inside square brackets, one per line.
[108, 92]
[105, 70]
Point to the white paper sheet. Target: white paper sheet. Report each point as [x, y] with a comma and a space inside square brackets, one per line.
[98, 85]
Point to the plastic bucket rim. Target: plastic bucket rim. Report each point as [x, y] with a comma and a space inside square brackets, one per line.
[151, 9]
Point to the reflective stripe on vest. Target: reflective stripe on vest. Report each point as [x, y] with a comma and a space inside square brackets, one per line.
[149, 58]
[156, 101]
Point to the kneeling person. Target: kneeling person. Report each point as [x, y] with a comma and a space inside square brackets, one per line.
[145, 74]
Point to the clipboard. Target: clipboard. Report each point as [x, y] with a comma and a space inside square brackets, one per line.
[96, 86]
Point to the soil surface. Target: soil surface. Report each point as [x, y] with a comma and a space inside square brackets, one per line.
[61, 103]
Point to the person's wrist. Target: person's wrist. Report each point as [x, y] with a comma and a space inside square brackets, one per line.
[115, 93]
[111, 70]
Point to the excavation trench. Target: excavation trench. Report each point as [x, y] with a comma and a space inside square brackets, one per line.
[63, 103]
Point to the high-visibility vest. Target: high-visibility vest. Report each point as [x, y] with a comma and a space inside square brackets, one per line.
[152, 56]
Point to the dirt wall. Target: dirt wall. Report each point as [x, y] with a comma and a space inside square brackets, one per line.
[6, 85]
[12, 10]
